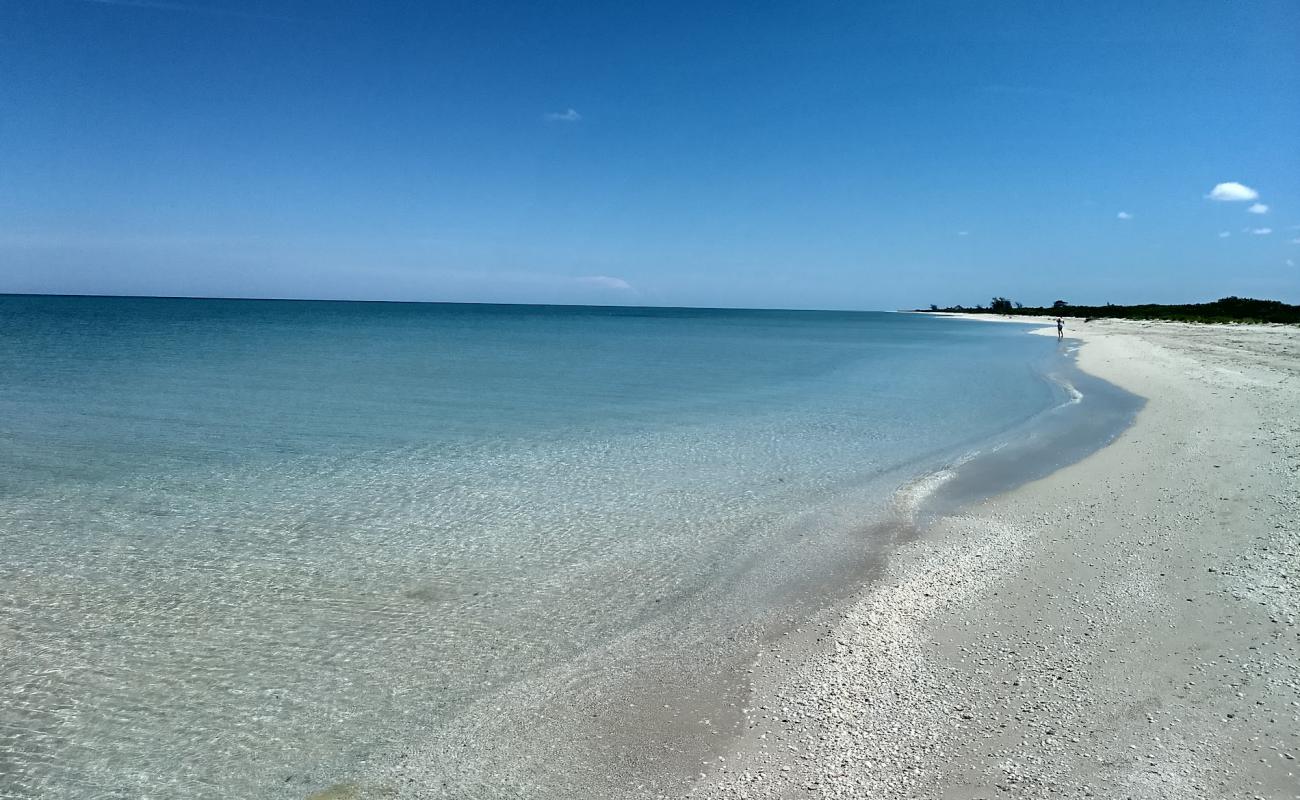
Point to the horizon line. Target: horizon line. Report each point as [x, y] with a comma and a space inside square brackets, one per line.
[950, 309]
[444, 302]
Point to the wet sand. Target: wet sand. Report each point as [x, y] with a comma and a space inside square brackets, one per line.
[1124, 627]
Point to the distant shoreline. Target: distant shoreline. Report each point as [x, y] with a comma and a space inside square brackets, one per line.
[1225, 310]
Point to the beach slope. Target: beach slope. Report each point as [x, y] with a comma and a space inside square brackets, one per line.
[1125, 627]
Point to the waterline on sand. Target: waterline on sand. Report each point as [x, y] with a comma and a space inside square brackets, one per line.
[643, 728]
[1051, 641]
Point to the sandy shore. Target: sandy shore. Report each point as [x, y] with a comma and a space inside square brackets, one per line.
[1126, 627]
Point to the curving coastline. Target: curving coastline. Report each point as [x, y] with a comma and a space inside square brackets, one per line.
[623, 722]
[1124, 626]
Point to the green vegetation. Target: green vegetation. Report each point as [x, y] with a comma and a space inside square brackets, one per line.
[1229, 309]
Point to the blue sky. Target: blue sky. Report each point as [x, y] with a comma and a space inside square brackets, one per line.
[812, 155]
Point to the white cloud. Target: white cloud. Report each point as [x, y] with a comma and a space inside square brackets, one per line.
[1123, 215]
[1232, 192]
[568, 115]
[1261, 231]
[1224, 234]
[1295, 241]
[605, 282]
[1290, 263]
[1258, 208]
[963, 233]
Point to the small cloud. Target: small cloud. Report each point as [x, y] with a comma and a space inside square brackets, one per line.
[1290, 262]
[1258, 208]
[1224, 234]
[1123, 215]
[1232, 192]
[963, 233]
[605, 282]
[1295, 241]
[1261, 231]
[568, 115]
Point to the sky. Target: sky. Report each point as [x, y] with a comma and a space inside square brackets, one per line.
[751, 154]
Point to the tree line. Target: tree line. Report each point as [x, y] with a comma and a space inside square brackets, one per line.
[1227, 309]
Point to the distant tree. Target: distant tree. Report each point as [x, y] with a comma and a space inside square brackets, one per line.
[1000, 305]
[1226, 309]
[934, 307]
[1019, 304]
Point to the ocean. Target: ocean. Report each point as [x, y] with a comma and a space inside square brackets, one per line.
[287, 549]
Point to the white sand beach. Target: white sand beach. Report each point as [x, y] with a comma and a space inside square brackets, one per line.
[1126, 627]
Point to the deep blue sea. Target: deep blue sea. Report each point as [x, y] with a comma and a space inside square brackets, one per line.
[265, 548]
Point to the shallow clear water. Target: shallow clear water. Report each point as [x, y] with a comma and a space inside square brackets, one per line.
[254, 548]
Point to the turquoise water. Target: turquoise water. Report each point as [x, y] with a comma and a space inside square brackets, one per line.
[260, 548]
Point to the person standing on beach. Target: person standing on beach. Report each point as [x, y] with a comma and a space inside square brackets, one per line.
[1060, 328]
